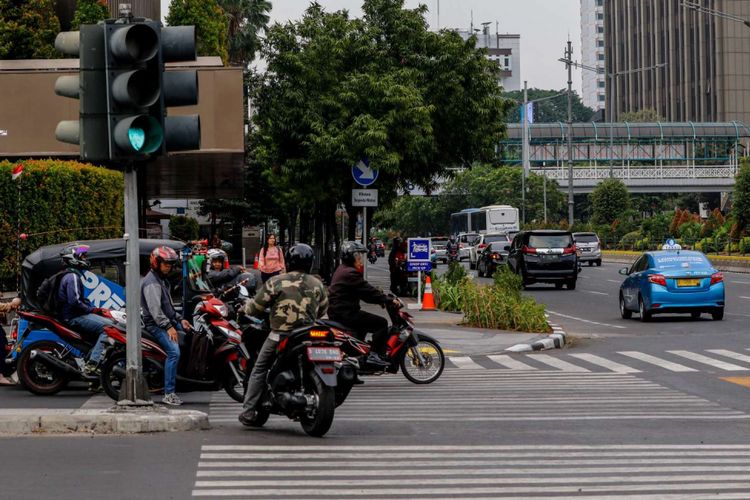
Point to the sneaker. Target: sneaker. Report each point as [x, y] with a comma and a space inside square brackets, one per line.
[247, 418]
[374, 359]
[171, 399]
[91, 369]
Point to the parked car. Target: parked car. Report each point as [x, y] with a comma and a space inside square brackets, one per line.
[438, 252]
[490, 257]
[672, 281]
[379, 248]
[545, 256]
[482, 241]
[589, 247]
[465, 242]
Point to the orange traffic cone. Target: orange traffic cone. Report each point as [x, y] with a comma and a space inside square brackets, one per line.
[255, 262]
[428, 301]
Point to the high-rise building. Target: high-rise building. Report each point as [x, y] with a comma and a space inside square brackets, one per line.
[592, 53]
[151, 9]
[504, 49]
[685, 65]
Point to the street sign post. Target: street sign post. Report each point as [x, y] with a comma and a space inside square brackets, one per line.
[364, 197]
[418, 259]
[364, 175]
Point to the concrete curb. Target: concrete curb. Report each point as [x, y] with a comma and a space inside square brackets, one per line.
[109, 421]
[555, 340]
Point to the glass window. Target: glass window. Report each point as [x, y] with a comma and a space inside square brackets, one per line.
[599, 16]
[586, 238]
[496, 238]
[550, 240]
[600, 29]
[669, 261]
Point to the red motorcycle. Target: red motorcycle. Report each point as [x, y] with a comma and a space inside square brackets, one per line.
[419, 356]
[212, 356]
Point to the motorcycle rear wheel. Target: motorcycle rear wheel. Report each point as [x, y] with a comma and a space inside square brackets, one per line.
[434, 359]
[234, 389]
[322, 419]
[37, 377]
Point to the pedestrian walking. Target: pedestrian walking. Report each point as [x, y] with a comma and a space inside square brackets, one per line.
[6, 307]
[271, 259]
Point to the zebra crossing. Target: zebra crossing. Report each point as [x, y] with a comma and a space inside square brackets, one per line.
[643, 471]
[507, 395]
[677, 361]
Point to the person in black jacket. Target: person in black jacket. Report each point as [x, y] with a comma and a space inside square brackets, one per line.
[221, 276]
[348, 287]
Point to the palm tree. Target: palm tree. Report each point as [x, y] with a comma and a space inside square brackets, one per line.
[247, 18]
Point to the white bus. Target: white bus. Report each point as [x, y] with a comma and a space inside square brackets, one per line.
[461, 221]
[495, 219]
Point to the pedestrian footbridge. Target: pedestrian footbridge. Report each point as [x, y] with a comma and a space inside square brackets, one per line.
[648, 157]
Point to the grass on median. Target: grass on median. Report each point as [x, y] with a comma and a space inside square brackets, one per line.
[499, 306]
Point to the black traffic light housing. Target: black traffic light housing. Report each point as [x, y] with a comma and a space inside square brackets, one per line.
[124, 90]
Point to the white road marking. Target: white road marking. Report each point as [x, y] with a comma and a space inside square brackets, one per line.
[743, 297]
[510, 362]
[663, 363]
[597, 293]
[606, 363]
[464, 362]
[582, 320]
[615, 281]
[740, 282]
[731, 354]
[559, 363]
[700, 358]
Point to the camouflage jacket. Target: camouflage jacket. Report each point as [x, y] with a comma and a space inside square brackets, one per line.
[295, 299]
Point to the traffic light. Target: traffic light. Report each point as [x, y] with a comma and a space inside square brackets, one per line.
[124, 90]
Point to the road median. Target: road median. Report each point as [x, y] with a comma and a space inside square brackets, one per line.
[729, 263]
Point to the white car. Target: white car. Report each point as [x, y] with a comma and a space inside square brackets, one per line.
[590, 248]
[481, 243]
[465, 242]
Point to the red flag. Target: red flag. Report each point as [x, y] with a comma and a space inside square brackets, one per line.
[17, 171]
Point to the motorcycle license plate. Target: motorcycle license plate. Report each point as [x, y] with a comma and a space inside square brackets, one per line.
[324, 354]
[234, 324]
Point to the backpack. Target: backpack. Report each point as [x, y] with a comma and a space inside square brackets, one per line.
[46, 294]
[198, 363]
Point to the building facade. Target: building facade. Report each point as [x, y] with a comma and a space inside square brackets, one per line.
[593, 53]
[503, 49]
[685, 65]
[65, 9]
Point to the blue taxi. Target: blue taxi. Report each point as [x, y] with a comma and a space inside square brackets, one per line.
[672, 281]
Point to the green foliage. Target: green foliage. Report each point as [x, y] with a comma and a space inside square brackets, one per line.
[456, 274]
[414, 215]
[28, 29]
[183, 228]
[629, 240]
[210, 23]
[89, 12]
[689, 232]
[744, 246]
[741, 206]
[495, 307]
[247, 18]
[609, 199]
[60, 201]
[551, 110]
[643, 116]
[507, 280]
[656, 228]
[449, 296]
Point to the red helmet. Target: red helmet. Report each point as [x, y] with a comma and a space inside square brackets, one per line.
[163, 254]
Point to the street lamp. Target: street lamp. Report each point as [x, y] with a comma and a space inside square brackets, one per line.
[716, 13]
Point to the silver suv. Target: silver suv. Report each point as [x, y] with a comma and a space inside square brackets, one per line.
[590, 248]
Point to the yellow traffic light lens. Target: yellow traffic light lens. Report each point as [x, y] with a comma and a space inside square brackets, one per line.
[137, 137]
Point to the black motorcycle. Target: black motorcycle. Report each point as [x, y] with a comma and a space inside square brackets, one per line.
[308, 379]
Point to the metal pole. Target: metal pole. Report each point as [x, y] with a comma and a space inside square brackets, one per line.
[544, 183]
[134, 391]
[569, 61]
[524, 150]
[419, 290]
[18, 237]
[364, 237]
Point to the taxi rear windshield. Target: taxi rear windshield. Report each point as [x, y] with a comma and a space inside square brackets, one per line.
[681, 262]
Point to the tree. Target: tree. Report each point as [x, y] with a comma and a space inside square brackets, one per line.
[643, 116]
[741, 203]
[552, 109]
[89, 12]
[28, 29]
[246, 18]
[609, 200]
[183, 228]
[210, 24]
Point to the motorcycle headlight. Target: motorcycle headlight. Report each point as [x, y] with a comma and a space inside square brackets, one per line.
[223, 310]
[231, 334]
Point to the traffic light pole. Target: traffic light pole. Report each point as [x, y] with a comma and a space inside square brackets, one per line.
[134, 391]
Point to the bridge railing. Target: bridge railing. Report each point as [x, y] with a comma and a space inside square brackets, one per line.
[626, 172]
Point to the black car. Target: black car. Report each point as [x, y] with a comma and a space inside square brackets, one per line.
[489, 258]
[545, 256]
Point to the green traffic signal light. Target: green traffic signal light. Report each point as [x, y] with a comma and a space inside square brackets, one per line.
[139, 134]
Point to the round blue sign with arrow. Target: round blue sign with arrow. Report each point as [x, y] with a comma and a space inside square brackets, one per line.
[363, 174]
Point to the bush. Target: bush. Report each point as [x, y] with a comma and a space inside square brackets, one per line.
[494, 307]
[744, 245]
[707, 245]
[455, 274]
[507, 280]
[629, 241]
[183, 228]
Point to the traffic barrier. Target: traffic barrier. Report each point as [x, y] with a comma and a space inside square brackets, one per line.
[428, 301]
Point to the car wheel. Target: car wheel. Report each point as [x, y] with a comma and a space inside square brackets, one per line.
[591, 263]
[718, 314]
[473, 265]
[695, 315]
[559, 286]
[645, 315]
[572, 284]
[625, 313]
[599, 263]
[479, 270]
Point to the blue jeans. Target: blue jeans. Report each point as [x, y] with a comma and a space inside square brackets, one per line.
[90, 325]
[172, 349]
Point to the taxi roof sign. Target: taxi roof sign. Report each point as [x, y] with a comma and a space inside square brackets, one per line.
[671, 245]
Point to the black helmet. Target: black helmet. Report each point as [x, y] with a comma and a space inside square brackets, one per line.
[349, 249]
[397, 242]
[299, 258]
[76, 256]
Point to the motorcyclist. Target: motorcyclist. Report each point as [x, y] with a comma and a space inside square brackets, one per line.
[75, 310]
[348, 288]
[394, 261]
[295, 299]
[372, 247]
[452, 248]
[160, 318]
[222, 276]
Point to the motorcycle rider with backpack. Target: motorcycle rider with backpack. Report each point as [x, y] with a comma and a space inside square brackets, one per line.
[74, 309]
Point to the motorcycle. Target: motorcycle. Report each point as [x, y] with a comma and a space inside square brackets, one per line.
[308, 379]
[212, 356]
[46, 366]
[372, 257]
[453, 254]
[419, 356]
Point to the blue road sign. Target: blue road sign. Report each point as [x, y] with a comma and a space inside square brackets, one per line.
[419, 266]
[363, 174]
[419, 250]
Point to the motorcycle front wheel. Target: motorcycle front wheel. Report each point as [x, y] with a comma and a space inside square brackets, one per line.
[113, 375]
[434, 362]
[35, 375]
[319, 421]
[235, 388]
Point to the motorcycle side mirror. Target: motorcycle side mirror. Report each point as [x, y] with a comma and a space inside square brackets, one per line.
[507, 248]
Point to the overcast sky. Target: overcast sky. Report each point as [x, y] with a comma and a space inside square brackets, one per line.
[544, 26]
